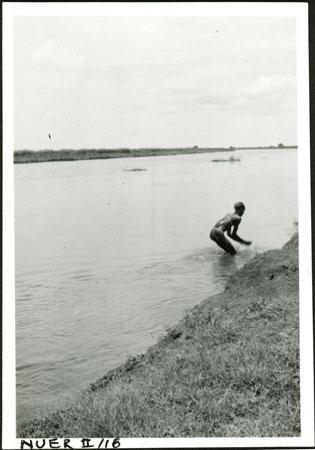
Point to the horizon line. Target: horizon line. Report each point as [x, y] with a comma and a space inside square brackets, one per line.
[232, 147]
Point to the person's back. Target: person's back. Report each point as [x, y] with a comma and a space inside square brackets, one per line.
[226, 222]
[225, 225]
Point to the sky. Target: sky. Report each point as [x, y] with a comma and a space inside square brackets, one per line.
[112, 82]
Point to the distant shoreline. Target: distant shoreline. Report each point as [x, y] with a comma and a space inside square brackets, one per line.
[36, 156]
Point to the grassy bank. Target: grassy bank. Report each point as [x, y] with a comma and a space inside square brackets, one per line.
[30, 156]
[229, 368]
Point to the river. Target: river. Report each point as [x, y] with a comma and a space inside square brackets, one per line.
[107, 257]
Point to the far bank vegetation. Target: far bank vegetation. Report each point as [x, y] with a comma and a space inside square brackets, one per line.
[31, 156]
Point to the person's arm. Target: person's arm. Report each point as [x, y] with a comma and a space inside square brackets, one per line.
[233, 234]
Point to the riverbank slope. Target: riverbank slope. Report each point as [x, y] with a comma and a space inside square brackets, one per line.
[230, 368]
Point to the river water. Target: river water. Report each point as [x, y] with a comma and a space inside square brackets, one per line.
[108, 257]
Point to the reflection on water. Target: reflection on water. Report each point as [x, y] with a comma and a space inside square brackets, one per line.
[107, 258]
[225, 266]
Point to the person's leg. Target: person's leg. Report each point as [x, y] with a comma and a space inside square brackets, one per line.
[226, 245]
[218, 237]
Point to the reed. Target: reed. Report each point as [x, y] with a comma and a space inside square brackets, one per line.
[230, 159]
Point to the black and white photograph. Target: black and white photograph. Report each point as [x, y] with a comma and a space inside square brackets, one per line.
[157, 225]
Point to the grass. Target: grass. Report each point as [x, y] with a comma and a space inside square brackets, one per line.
[231, 159]
[136, 169]
[230, 368]
[29, 156]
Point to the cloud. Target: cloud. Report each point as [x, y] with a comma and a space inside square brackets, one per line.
[57, 54]
[145, 73]
[266, 85]
[266, 95]
[253, 95]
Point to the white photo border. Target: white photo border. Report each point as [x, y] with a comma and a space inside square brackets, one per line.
[189, 9]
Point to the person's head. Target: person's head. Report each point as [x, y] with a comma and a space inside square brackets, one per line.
[239, 208]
